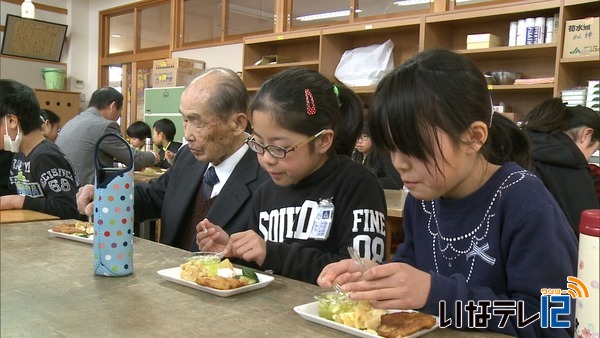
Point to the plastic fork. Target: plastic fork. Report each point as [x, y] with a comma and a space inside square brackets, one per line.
[356, 257]
[337, 287]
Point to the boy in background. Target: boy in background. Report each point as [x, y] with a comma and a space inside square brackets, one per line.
[164, 133]
[138, 132]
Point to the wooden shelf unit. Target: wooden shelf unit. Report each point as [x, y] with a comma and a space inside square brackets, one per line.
[336, 40]
[321, 48]
[574, 72]
[64, 104]
[302, 48]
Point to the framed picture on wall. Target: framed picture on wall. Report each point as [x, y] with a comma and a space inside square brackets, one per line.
[34, 39]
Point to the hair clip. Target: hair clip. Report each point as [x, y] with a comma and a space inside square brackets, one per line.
[336, 91]
[492, 114]
[311, 107]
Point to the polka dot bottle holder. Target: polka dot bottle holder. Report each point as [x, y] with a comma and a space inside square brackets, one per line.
[113, 217]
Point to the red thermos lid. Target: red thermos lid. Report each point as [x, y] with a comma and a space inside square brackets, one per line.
[590, 222]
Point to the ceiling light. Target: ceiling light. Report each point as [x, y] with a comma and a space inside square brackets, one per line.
[116, 35]
[326, 15]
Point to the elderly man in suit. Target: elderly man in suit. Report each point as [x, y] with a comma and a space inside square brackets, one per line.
[78, 136]
[213, 176]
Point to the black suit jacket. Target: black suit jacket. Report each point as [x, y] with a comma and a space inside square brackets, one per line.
[171, 196]
[163, 163]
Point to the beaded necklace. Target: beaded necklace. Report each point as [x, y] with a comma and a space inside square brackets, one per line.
[448, 247]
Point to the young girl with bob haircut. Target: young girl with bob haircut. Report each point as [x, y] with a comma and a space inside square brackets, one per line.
[50, 124]
[474, 230]
[304, 129]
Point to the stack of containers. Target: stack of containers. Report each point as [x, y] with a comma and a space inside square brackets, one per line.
[574, 96]
[593, 95]
[532, 31]
[585, 96]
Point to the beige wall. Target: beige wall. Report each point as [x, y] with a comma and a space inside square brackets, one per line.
[25, 71]
[228, 56]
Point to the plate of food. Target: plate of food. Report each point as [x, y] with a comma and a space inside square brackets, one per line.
[364, 321]
[79, 231]
[220, 278]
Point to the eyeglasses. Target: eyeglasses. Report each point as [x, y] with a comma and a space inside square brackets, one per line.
[277, 151]
[363, 137]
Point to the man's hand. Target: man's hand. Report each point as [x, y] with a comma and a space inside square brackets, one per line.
[85, 200]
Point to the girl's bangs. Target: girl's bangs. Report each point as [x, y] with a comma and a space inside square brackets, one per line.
[399, 113]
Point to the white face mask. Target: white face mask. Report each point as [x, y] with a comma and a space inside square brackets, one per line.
[9, 144]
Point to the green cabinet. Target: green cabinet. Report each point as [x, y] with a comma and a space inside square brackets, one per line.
[162, 103]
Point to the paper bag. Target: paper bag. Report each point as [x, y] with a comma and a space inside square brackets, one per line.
[365, 66]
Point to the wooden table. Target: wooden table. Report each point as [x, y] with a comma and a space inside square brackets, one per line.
[143, 176]
[395, 204]
[48, 289]
[17, 216]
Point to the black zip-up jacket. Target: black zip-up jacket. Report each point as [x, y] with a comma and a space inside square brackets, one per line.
[560, 164]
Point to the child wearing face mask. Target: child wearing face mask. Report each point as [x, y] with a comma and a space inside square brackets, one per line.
[304, 131]
[40, 176]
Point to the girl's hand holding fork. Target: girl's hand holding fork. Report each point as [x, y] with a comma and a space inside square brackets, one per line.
[342, 272]
[387, 286]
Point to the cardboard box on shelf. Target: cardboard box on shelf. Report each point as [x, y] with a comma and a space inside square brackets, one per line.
[487, 40]
[582, 38]
[177, 63]
[172, 77]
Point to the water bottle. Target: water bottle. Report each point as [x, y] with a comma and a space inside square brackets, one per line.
[587, 312]
[113, 215]
[148, 144]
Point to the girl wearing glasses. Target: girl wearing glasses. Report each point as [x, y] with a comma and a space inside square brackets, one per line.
[318, 201]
